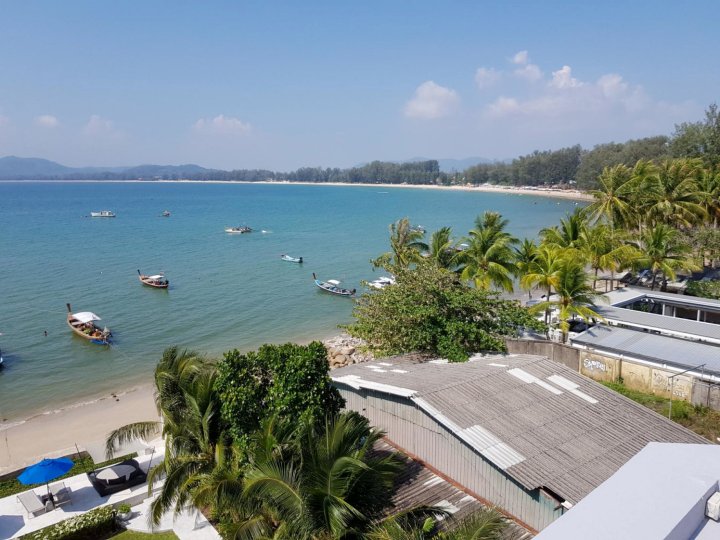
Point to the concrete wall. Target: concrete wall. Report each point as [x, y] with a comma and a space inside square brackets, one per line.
[635, 375]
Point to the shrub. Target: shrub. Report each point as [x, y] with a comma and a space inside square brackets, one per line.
[94, 524]
[705, 289]
[124, 508]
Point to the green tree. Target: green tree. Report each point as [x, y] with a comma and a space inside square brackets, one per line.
[196, 437]
[442, 250]
[674, 196]
[430, 310]
[321, 482]
[568, 235]
[525, 254]
[488, 260]
[662, 250]
[611, 197]
[575, 297]
[543, 272]
[699, 139]
[406, 246]
[288, 380]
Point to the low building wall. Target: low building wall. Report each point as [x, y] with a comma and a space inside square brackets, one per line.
[634, 374]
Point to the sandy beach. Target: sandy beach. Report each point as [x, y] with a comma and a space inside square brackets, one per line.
[572, 194]
[56, 433]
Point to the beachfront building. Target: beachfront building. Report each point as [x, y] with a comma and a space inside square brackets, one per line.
[668, 491]
[654, 342]
[522, 432]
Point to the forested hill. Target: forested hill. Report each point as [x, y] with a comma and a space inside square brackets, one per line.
[573, 165]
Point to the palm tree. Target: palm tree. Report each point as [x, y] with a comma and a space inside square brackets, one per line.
[406, 246]
[525, 254]
[569, 234]
[488, 259]
[611, 199]
[605, 251]
[196, 439]
[674, 196]
[442, 250]
[575, 295]
[662, 250]
[485, 524]
[543, 272]
[709, 184]
[329, 485]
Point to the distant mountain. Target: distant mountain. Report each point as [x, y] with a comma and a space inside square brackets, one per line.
[16, 168]
[452, 165]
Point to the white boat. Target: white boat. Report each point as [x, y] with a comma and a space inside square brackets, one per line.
[382, 282]
[102, 213]
[166, 213]
[288, 258]
[238, 230]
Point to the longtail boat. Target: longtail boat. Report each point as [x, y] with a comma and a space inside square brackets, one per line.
[288, 258]
[332, 286]
[159, 281]
[83, 324]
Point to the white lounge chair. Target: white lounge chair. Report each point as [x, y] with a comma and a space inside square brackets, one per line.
[32, 504]
[60, 493]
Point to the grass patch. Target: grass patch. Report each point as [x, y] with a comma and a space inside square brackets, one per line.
[698, 418]
[132, 535]
[81, 465]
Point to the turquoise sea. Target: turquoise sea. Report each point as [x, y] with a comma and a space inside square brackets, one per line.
[226, 291]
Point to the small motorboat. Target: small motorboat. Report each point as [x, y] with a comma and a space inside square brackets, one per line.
[288, 258]
[382, 282]
[102, 213]
[83, 325]
[159, 281]
[332, 286]
[166, 213]
[238, 230]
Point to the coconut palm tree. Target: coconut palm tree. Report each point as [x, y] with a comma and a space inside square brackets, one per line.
[543, 271]
[196, 438]
[709, 184]
[569, 234]
[662, 250]
[674, 196]
[406, 246]
[611, 199]
[442, 250]
[488, 260]
[575, 297]
[329, 485]
[485, 524]
[604, 250]
[525, 254]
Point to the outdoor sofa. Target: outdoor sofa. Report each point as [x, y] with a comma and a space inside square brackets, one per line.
[118, 477]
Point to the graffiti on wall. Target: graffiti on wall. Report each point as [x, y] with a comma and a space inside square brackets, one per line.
[595, 365]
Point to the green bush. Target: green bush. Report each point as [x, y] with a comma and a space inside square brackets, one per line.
[94, 524]
[705, 289]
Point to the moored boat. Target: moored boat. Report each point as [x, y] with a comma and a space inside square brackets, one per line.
[332, 286]
[238, 230]
[166, 213]
[382, 282]
[288, 258]
[83, 325]
[102, 213]
[159, 281]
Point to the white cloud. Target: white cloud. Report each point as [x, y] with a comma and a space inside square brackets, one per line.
[47, 121]
[503, 106]
[530, 72]
[521, 58]
[223, 125]
[431, 101]
[486, 77]
[97, 125]
[563, 78]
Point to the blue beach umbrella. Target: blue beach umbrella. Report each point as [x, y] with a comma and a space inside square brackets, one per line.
[45, 470]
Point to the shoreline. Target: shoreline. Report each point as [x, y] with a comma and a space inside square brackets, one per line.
[57, 432]
[571, 194]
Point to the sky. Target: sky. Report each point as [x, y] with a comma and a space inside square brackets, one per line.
[280, 85]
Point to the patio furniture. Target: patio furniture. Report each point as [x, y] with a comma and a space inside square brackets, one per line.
[117, 477]
[32, 504]
[60, 493]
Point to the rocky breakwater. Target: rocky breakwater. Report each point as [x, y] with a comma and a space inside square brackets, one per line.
[344, 350]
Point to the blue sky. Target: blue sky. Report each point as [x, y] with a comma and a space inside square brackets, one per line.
[280, 85]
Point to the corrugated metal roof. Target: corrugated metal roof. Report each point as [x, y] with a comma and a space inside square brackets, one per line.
[570, 441]
[652, 347]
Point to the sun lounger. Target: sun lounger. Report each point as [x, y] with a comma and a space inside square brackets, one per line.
[31, 503]
[60, 493]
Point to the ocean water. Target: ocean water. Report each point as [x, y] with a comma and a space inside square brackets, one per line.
[226, 291]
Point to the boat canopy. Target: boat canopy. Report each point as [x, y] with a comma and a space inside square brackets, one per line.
[86, 316]
[333, 282]
[156, 277]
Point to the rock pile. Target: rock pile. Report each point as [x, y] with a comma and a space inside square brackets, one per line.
[344, 350]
